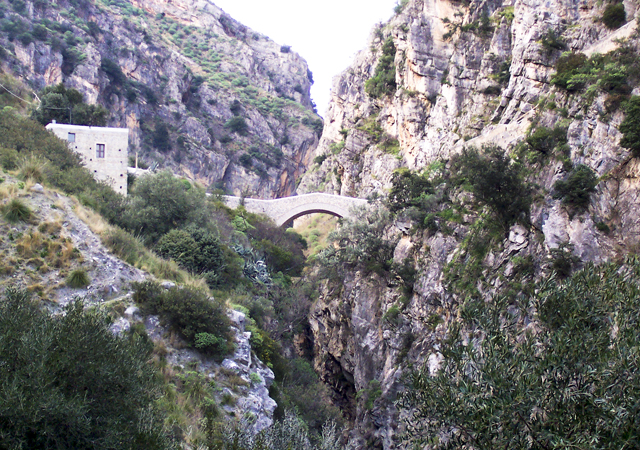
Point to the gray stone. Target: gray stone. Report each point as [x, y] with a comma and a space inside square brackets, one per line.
[167, 285]
[283, 210]
[238, 319]
[132, 312]
[230, 365]
[121, 325]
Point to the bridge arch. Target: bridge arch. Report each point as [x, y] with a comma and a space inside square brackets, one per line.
[303, 211]
[283, 210]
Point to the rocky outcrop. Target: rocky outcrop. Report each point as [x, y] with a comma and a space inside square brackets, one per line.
[203, 95]
[467, 73]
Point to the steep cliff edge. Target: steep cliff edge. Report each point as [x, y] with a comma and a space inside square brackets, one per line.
[441, 76]
[203, 95]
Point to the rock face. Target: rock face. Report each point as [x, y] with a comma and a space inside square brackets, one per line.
[466, 73]
[202, 94]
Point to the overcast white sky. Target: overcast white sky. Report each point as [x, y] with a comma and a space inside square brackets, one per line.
[327, 33]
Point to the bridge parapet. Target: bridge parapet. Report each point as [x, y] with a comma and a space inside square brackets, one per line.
[283, 210]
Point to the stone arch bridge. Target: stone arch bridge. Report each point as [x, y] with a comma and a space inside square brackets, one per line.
[284, 210]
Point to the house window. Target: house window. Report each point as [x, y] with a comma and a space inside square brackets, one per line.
[71, 137]
[99, 150]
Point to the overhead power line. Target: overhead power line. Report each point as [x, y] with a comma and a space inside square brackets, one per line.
[16, 96]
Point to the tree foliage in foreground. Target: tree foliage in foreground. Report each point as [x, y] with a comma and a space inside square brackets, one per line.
[559, 370]
[290, 433]
[66, 381]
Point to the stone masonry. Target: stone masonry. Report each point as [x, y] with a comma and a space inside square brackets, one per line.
[104, 151]
[283, 210]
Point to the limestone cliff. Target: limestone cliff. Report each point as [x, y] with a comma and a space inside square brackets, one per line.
[466, 74]
[202, 94]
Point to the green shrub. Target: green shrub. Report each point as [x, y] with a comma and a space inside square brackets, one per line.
[71, 369]
[393, 316]
[237, 125]
[553, 41]
[113, 71]
[179, 246]
[408, 189]
[9, 158]
[609, 73]
[158, 203]
[320, 159]
[16, 211]
[576, 190]
[383, 82]
[358, 244]
[255, 378]
[603, 227]
[281, 250]
[563, 260]
[160, 137]
[567, 66]
[630, 126]
[211, 344]
[196, 250]
[370, 394]
[495, 181]
[544, 140]
[316, 124]
[614, 16]
[201, 320]
[78, 279]
[245, 160]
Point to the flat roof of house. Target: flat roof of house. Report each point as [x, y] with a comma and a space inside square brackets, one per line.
[63, 126]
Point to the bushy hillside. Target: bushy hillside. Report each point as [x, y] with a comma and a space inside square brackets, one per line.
[57, 250]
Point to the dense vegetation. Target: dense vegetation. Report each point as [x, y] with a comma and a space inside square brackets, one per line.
[201, 320]
[614, 74]
[495, 181]
[568, 379]
[576, 190]
[383, 82]
[630, 126]
[67, 106]
[69, 382]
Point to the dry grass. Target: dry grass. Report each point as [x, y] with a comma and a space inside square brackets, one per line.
[30, 244]
[32, 169]
[95, 221]
[57, 252]
[9, 190]
[52, 227]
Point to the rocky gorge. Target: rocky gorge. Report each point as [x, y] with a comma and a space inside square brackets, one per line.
[463, 75]
[449, 97]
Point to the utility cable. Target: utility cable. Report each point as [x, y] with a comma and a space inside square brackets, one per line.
[16, 96]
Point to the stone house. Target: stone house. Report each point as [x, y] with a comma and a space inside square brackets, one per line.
[104, 151]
